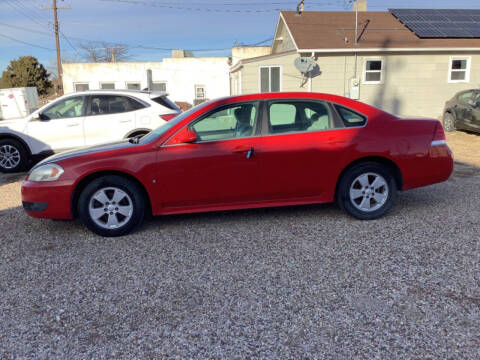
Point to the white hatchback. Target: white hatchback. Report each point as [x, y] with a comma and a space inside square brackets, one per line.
[82, 119]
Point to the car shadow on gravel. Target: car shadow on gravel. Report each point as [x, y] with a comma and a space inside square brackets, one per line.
[244, 215]
[11, 178]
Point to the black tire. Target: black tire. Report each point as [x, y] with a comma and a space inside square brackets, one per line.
[350, 181]
[449, 122]
[13, 156]
[111, 186]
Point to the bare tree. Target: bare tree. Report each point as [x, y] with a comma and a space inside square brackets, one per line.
[105, 52]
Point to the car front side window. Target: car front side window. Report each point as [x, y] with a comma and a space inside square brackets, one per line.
[229, 122]
[66, 108]
[465, 97]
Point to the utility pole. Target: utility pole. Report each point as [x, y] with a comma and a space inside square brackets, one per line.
[356, 22]
[57, 40]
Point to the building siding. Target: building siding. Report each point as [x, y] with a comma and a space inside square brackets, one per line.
[180, 74]
[286, 44]
[414, 83]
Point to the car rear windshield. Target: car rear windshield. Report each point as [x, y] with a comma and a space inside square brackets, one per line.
[164, 101]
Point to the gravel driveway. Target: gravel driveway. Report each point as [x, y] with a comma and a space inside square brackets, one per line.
[298, 282]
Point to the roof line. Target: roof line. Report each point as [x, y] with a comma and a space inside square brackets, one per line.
[252, 59]
[354, 50]
[288, 29]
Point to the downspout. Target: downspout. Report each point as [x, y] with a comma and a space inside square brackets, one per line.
[310, 77]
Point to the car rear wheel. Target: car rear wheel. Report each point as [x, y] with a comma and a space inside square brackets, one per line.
[13, 156]
[367, 191]
[111, 206]
[449, 122]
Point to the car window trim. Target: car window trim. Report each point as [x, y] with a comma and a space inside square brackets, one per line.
[265, 118]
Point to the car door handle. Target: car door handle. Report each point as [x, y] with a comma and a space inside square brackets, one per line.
[72, 124]
[125, 121]
[244, 149]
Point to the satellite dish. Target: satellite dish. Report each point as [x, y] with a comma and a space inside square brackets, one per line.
[305, 64]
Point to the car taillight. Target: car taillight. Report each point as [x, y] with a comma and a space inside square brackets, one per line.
[168, 117]
[438, 135]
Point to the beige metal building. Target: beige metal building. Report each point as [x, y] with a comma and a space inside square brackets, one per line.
[388, 66]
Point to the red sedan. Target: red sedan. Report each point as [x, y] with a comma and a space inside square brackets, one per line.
[240, 152]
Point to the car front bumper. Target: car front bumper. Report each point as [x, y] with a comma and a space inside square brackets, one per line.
[50, 200]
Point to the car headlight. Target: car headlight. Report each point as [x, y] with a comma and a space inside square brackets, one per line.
[47, 172]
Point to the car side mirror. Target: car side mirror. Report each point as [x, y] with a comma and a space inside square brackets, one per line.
[39, 117]
[185, 136]
[477, 103]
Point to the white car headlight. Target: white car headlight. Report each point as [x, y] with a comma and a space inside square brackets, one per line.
[47, 172]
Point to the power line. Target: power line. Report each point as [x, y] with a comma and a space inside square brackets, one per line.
[26, 43]
[203, 9]
[26, 29]
[20, 9]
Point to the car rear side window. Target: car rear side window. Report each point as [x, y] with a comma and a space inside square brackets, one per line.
[112, 104]
[136, 105]
[351, 118]
[164, 101]
[299, 116]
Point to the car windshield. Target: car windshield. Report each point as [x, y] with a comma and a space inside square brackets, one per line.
[155, 134]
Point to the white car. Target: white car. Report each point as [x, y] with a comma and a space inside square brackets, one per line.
[81, 119]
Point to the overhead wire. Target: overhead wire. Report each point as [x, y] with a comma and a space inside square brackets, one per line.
[26, 43]
[204, 8]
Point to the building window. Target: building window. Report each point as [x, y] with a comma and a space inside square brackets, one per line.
[107, 86]
[373, 71]
[81, 87]
[200, 92]
[159, 86]
[459, 70]
[133, 86]
[269, 79]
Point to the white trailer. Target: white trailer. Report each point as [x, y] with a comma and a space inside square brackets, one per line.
[18, 102]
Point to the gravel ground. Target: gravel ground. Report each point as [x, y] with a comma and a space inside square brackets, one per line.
[298, 282]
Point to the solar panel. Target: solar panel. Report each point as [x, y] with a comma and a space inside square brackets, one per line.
[440, 23]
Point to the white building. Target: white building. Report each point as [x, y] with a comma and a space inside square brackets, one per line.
[186, 79]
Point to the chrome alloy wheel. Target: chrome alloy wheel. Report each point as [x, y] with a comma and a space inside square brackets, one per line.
[9, 157]
[369, 192]
[110, 208]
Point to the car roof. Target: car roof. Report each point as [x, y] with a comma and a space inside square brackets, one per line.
[292, 95]
[139, 93]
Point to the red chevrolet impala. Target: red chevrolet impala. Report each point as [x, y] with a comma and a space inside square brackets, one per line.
[240, 152]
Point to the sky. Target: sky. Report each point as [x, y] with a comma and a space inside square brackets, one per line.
[153, 27]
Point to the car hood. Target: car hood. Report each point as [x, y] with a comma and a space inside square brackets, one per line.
[14, 124]
[85, 150]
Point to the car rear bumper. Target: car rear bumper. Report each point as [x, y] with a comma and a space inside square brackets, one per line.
[435, 167]
[50, 200]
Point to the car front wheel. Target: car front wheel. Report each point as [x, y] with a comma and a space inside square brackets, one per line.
[111, 206]
[448, 122]
[13, 156]
[367, 191]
